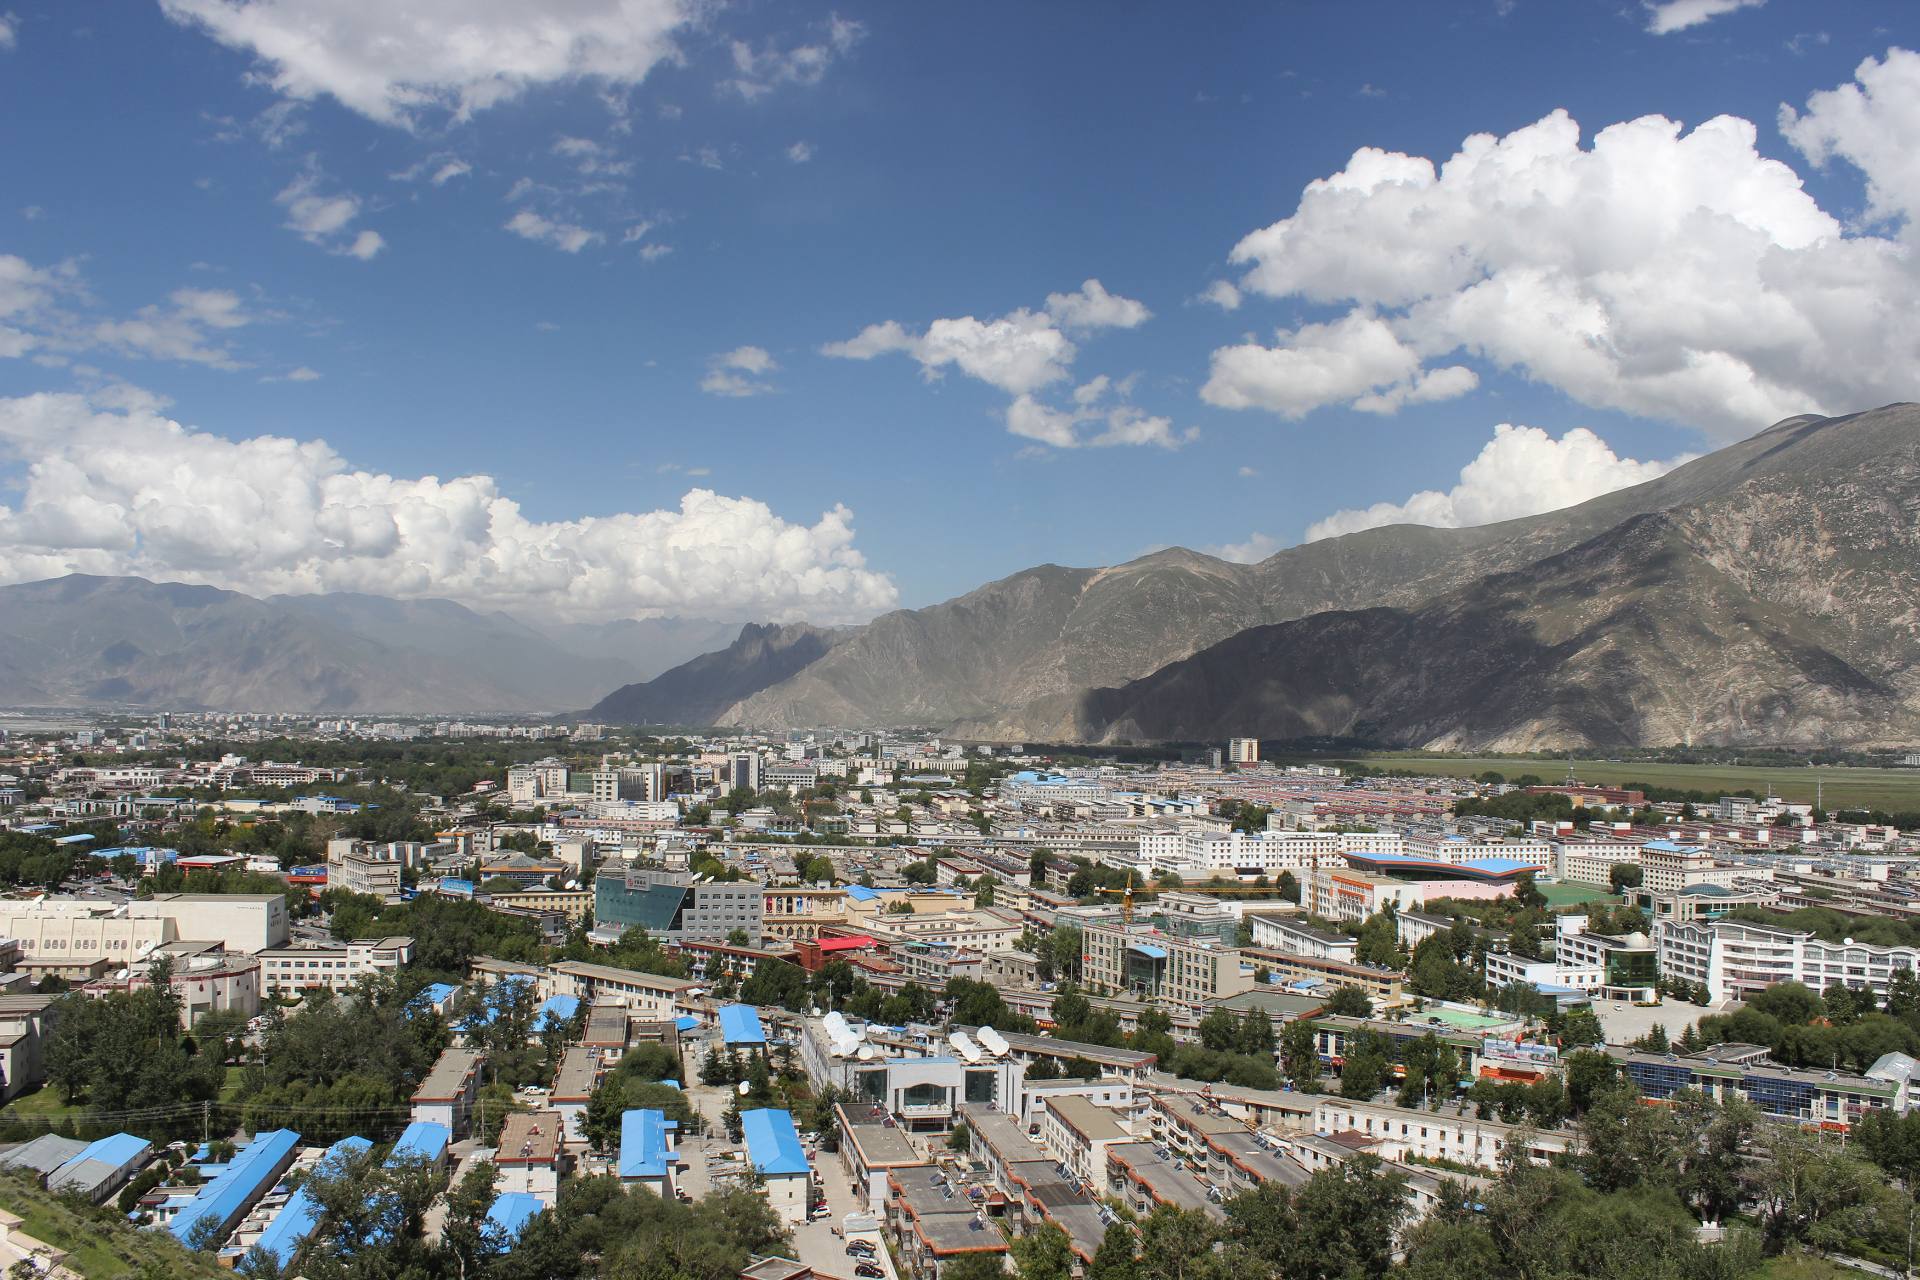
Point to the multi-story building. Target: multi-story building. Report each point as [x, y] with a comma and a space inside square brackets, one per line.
[1832, 1099]
[530, 1155]
[447, 1095]
[797, 913]
[1355, 895]
[1152, 964]
[1077, 1134]
[1737, 958]
[1459, 850]
[651, 995]
[1243, 750]
[1668, 867]
[336, 967]
[743, 770]
[1283, 933]
[24, 1029]
[672, 905]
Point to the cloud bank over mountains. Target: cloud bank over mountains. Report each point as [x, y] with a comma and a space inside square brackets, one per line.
[112, 486]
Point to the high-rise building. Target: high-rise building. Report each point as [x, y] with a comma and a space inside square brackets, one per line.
[746, 771]
[1243, 750]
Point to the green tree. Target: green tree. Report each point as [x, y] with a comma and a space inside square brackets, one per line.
[1350, 1002]
[1043, 1254]
[1116, 1258]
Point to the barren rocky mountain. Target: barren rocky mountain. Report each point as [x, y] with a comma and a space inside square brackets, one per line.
[1014, 658]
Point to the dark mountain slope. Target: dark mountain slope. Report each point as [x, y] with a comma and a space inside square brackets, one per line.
[699, 692]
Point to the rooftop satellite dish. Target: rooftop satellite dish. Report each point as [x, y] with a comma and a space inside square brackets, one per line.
[745, 1088]
[993, 1041]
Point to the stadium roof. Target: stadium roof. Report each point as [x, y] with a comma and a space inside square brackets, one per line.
[1434, 868]
[773, 1145]
[740, 1024]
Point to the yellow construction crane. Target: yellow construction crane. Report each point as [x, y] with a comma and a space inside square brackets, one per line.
[1126, 899]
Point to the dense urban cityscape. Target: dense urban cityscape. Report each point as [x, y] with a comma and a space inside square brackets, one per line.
[321, 996]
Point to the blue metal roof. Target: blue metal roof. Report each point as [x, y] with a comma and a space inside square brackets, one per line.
[557, 1008]
[298, 1217]
[740, 1024]
[685, 1022]
[422, 1140]
[82, 838]
[773, 1145]
[115, 1150]
[242, 1180]
[643, 1144]
[1148, 950]
[510, 1215]
[435, 993]
[1668, 846]
[861, 893]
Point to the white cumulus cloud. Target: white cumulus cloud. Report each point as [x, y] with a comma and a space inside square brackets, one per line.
[1667, 272]
[758, 72]
[1522, 471]
[114, 487]
[395, 61]
[1256, 548]
[1019, 352]
[324, 218]
[1024, 352]
[1664, 17]
[739, 372]
[564, 236]
[1873, 124]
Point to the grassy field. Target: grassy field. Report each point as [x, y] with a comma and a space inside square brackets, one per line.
[99, 1245]
[1569, 894]
[1840, 788]
[1803, 1266]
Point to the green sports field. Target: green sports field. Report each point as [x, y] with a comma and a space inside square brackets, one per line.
[1840, 787]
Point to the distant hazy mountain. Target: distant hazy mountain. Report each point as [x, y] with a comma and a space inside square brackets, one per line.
[83, 640]
[1021, 657]
[700, 692]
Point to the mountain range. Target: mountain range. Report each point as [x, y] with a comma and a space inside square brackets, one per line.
[1763, 593]
[83, 640]
[1768, 592]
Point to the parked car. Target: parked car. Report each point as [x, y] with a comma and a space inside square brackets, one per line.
[860, 1248]
[867, 1271]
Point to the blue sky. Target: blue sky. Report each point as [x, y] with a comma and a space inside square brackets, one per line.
[240, 216]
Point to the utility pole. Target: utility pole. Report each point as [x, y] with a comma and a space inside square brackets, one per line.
[206, 1112]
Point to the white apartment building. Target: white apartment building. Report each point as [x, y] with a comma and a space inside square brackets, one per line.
[973, 930]
[1592, 862]
[1455, 849]
[1736, 958]
[1202, 849]
[289, 970]
[1284, 934]
[1243, 750]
